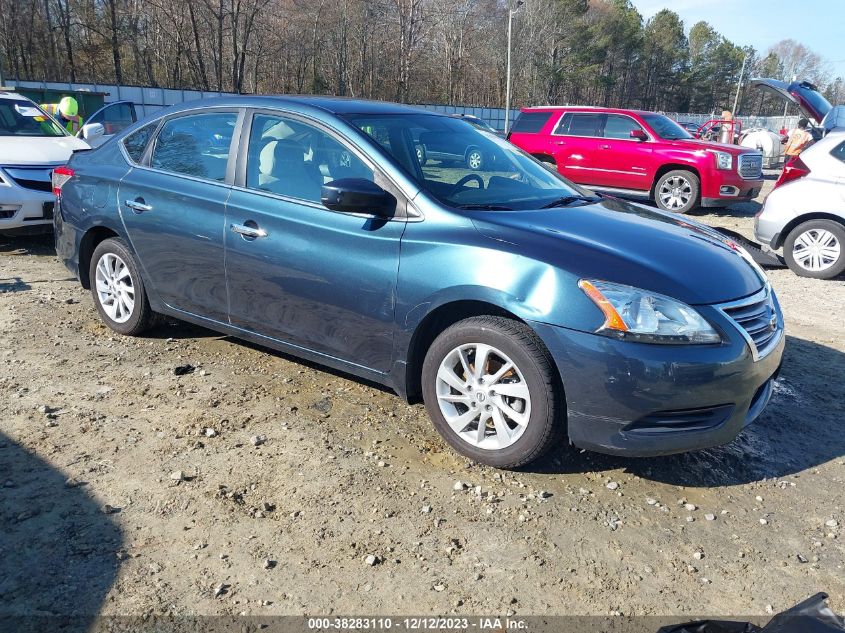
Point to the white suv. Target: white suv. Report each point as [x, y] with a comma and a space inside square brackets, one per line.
[805, 214]
[32, 144]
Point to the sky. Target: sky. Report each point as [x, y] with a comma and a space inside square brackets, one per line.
[818, 24]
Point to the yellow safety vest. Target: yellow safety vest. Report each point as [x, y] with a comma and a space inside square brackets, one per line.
[72, 124]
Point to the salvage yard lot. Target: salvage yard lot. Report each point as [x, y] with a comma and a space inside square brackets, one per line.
[259, 484]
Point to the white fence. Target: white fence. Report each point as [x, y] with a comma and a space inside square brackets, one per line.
[147, 100]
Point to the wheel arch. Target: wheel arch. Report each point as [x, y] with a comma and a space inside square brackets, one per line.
[665, 169]
[434, 323]
[89, 242]
[780, 239]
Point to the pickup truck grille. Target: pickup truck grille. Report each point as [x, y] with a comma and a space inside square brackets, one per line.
[750, 166]
[758, 321]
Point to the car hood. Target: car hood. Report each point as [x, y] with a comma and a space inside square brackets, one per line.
[696, 144]
[626, 243]
[28, 150]
[800, 93]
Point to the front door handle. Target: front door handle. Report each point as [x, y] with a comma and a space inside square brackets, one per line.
[559, 142]
[138, 205]
[251, 232]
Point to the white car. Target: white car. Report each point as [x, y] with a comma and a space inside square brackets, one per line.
[32, 144]
[805, 214]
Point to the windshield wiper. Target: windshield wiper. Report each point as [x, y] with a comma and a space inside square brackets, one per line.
[565, 201]
[485, 207]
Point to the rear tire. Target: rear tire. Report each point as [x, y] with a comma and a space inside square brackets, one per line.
[816, 249]
[474, 159]
[118, 290]
[514, 393]
[677, 191]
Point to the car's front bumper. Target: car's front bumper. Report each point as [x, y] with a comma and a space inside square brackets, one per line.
[22, 208]
[729, 188]
[641, 399]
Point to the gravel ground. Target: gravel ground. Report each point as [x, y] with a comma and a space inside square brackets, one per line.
[257, 484]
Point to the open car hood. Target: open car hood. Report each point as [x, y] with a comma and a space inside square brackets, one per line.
[800, 93]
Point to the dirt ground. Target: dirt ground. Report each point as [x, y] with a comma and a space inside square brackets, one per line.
[258, 484]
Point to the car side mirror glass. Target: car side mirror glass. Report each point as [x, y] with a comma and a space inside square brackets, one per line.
[639, 135]
[358, 195]
[92, 131]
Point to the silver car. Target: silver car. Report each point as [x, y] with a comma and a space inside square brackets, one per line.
[805, 213]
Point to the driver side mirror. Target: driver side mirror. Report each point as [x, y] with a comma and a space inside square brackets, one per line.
[90, 132]
[358, 195]
[639, 135]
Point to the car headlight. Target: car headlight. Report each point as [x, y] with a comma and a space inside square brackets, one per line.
[639, 315]
[723, 160]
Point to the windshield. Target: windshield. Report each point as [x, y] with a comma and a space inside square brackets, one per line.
[23, 118]
[462, 166]
[665, 127]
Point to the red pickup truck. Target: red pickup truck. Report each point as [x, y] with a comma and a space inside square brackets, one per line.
[631, 152]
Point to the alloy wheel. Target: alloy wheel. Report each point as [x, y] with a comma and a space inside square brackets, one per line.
[675, 193]
[483, 396]
[115, 289]
[816, 250]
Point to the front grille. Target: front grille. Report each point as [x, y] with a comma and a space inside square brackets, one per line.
[37, 185]
[750, 166]
[37, 178]
[758, 321]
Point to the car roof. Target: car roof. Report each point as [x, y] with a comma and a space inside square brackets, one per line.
[5, 94]
[586, 108]
[325, 104]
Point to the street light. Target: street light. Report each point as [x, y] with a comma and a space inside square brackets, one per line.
[511, 13]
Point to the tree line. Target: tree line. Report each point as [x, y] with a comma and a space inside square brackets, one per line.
[599, 52]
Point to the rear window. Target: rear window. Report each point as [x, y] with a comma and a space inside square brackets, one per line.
[838, 152]
[584, 125]
[530, 122]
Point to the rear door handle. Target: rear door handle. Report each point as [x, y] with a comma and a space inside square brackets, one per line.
[604, 146]
[248, 231]
[138, 205]
[559, 142]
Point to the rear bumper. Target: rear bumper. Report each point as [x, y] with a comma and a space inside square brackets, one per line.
[637, 399]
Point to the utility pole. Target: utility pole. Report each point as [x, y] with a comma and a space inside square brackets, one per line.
[739, 84]
[511, 13]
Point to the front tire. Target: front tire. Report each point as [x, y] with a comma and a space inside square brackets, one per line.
[490, 388]
[816, 249]
[118, 291]
[474, 159]
[677, 191]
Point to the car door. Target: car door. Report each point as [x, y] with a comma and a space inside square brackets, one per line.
[297, 272]
[114, 117]
[622, 161]
[173, 208]
[574, 144]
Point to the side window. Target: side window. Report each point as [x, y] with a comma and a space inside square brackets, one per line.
[585, 125]
[619, 126]
[838, 152]
[195, 145]
[115, 118]
[136, 142]
[563, 125]
[530, 122]
[295, 159]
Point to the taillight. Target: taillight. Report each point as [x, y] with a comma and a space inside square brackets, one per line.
[794, 169]
[60, 176]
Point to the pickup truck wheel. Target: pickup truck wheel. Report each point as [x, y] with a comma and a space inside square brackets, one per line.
[117, 289]
[816, 249]
[491, 391]
[677, 191]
